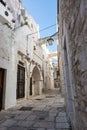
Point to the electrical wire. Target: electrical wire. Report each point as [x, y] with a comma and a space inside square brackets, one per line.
[47, 27]
[43, 29]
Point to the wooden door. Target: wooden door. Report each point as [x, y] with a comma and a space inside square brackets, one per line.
[20, 82]
[1, 87]
[31, 86]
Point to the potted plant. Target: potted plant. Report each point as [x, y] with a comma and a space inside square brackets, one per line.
[13, 20]
[6, 13]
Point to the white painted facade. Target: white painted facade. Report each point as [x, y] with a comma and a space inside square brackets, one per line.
[20, 54]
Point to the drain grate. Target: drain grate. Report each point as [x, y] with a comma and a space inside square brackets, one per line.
[26, 108]
[50, 96]
[61, 108]
[40, 114]
[31, 129]
[39, 99]
[41, 118]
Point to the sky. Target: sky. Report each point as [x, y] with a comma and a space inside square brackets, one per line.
[44, 13]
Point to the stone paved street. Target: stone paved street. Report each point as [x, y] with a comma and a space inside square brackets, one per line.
[46, 112]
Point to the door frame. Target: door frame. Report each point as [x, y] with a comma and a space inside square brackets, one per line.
[30, 86]
[18, 96]
[4, 88]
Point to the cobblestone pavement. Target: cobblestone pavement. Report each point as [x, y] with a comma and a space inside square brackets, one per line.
[46, 112]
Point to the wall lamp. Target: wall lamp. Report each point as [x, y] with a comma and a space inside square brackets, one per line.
[50, 41]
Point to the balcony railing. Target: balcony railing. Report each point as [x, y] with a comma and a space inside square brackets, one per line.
[6, 15]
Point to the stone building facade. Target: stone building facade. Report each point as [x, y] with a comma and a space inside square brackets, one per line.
[47, 70]
[72, 19]
[21, 59]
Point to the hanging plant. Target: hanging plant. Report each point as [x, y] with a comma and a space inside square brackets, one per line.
[26, 23]
[8, 25]
[6, 13]
[13, 20]
[8, 8]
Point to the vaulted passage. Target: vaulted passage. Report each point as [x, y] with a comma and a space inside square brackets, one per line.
[35, 85]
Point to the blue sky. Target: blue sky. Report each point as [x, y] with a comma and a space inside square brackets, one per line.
[44, 13]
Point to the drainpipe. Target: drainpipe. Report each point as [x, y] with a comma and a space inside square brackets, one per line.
[28, 81]
[27, 47]
[28, 68]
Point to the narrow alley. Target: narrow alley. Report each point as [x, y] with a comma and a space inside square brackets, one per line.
[43, 64]
[45, 112]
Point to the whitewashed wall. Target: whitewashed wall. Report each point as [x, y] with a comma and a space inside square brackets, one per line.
[7, 62]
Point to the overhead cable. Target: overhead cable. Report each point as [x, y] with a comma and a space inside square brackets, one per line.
[43, 29]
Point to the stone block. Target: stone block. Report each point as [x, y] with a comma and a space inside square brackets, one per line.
[62, 114]
[25, 123]
[31, 118]
[17, 128]
[50, 118]
[62, 119]
[44, 124]
[21, 117]
[62, 125]
[3, 128]
[41, 129]
[9, 123]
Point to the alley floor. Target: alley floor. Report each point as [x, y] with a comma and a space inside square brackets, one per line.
[46, 112]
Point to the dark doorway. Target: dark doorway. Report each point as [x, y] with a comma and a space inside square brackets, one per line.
[1, 87]
[20, 82]
[31, 86]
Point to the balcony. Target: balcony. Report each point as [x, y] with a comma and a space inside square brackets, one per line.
[6, 15]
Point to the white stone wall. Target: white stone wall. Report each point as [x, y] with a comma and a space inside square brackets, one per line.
[7, 62]
[15, 8]
[20, 44]
[11, 44]
[47, 70]
[21, 16]
[73, 31]
[24, 43]
[38, 55]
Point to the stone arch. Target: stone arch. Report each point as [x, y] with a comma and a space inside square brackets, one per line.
[36, 81]
[39, 69]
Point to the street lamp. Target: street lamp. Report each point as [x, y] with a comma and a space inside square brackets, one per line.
[50, 41]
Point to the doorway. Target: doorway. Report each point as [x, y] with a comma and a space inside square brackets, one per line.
[2, 71]
[30, 86]
[35, 81]
[20, 82]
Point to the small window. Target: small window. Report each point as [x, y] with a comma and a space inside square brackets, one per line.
[43, 56]
[31, 25]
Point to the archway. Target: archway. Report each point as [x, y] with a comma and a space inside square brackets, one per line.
[35, 80]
